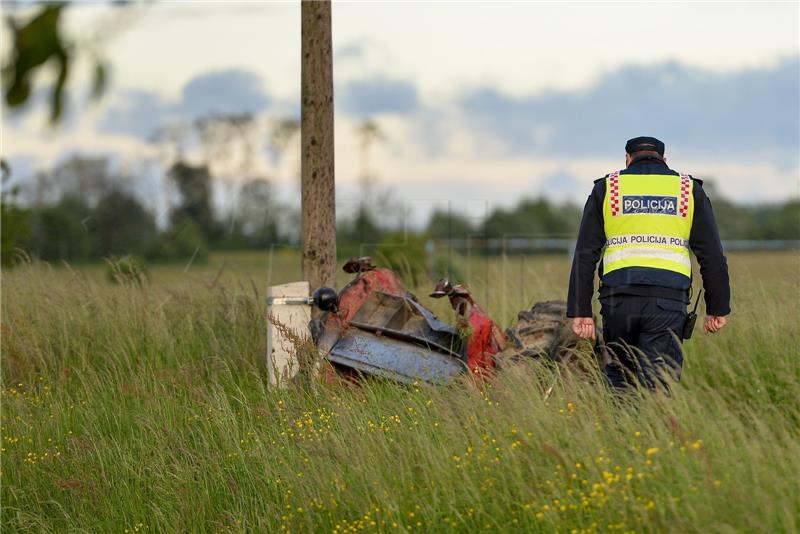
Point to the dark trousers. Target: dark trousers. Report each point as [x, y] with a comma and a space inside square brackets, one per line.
[641, 335]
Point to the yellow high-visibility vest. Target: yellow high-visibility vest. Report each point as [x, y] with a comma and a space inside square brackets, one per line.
[647, 220]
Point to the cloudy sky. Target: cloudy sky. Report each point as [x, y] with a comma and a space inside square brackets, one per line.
[480, 103]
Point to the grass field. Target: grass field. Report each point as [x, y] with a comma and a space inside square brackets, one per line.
[129, 409]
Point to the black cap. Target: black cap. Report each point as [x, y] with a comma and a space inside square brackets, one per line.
[637, 144]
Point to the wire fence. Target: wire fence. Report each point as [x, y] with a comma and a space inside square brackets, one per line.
[538, 245]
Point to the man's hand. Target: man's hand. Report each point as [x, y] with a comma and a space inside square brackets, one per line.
[712, 324]
[584, 327]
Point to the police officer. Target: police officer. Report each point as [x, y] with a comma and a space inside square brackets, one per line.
[645, 219]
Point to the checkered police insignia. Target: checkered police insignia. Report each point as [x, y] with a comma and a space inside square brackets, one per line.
[683, 202]
[613, 193]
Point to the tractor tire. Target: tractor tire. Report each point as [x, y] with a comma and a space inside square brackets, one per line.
[544, 332]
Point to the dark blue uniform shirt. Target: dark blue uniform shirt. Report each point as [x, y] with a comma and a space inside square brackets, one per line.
[703, 240]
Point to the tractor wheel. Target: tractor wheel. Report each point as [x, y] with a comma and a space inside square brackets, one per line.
[543, 332]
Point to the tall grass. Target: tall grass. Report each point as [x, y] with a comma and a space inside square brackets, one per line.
[130, 408]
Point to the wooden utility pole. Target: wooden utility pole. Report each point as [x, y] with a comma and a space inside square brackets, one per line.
[318, 223]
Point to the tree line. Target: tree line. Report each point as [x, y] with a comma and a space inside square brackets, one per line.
[85, 210]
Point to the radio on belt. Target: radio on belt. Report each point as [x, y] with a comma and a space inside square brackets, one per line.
[691, 319]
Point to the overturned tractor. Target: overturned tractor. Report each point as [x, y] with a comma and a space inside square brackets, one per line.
[374, 326]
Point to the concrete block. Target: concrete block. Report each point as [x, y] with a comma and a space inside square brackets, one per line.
[286, 305]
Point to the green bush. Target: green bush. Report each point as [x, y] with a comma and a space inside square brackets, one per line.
[62, 231]
[182, 243]
[126, 270]
[15, 227]
[407, 254]
[404, 253]
[123, 226]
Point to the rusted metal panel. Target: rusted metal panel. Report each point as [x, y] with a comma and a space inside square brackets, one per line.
[394, 358]
[397, 338]
[406, 319]
[353, 295]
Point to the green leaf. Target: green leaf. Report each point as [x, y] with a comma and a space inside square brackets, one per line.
[35, 44]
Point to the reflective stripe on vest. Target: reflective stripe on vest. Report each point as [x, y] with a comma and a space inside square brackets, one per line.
[647, 220]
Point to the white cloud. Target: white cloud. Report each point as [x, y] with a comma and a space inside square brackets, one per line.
[523, 52]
